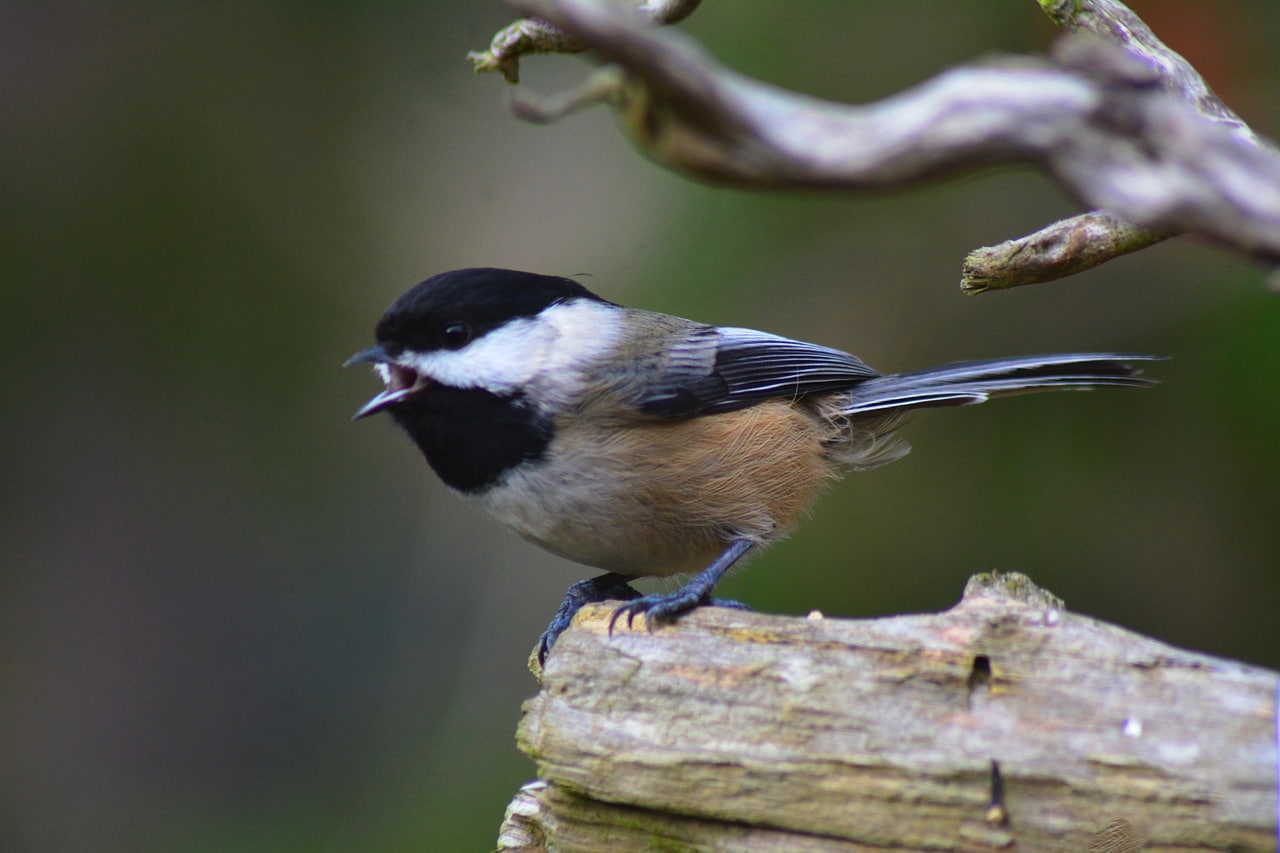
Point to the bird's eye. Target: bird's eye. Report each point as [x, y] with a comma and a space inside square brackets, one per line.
[455, 335]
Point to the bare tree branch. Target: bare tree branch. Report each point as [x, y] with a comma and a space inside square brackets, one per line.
[1075, 245]
[1116, 23]
[1056, 251]
[534, 35]
[1116, 128]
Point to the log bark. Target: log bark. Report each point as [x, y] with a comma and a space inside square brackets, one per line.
[743, 731]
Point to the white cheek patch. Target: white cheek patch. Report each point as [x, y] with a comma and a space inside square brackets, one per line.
[533, 350]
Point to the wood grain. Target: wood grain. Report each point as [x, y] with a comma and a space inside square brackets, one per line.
[742, 731]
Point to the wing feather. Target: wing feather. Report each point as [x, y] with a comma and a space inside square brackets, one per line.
[750, 367]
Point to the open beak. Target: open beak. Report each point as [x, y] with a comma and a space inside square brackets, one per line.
[401, 381]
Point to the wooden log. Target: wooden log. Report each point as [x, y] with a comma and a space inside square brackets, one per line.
[743, 731]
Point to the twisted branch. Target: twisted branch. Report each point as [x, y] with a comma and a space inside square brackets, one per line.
[534, 35]
[1122, 122]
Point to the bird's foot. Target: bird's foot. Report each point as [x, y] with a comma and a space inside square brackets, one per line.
[658, 608]
[602, 588]
[664, 608]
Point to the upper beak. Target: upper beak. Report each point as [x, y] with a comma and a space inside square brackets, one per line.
[373, 355]
[401, 382]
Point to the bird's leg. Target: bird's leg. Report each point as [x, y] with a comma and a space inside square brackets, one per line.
[667, 607]
[602, 588]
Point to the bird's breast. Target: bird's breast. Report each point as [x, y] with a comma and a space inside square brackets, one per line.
[663, 497]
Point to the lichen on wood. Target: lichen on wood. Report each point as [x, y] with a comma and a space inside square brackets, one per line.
[742, 731]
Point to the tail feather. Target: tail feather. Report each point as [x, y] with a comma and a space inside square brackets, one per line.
[969, 382]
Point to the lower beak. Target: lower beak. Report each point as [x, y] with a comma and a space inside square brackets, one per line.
[401, 382]
[387, 398]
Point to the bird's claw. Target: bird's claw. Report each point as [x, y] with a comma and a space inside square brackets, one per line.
[582, 593]
[659, 609]
[656, 609]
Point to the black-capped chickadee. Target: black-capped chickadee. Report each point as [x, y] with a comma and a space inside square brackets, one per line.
[645, 444]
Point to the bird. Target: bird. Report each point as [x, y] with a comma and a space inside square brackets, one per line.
[645, 444]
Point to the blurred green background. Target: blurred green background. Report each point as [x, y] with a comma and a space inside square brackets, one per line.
[231, 619]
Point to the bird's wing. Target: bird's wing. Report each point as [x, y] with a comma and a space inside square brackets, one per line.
[747, 367]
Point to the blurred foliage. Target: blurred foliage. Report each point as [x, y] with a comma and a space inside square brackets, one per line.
[232, 620]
